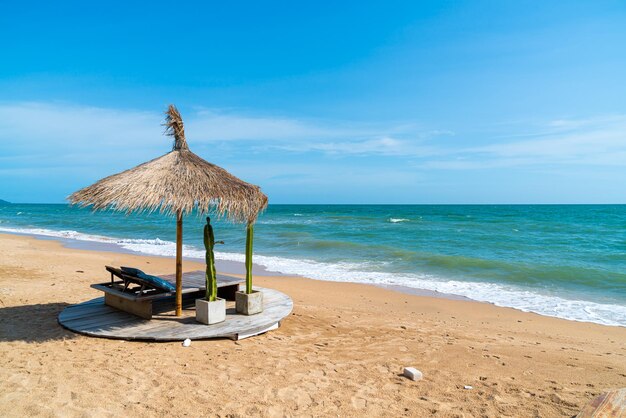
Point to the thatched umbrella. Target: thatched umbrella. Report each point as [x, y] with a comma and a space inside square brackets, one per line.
[176, 184]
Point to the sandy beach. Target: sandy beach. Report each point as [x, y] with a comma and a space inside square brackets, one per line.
[340, 353]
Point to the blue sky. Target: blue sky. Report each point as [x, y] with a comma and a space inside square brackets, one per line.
[326, 102]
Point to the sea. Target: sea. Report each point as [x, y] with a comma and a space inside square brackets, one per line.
[565, 261]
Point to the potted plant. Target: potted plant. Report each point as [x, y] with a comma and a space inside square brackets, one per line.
[211, 309]
[249, 302]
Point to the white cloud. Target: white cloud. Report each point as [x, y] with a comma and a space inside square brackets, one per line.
[63, 128]
[382, 146]
[41, 134]
[593, 141]
[212, 125]
[70, 126]
[299, 135]
[586, 140]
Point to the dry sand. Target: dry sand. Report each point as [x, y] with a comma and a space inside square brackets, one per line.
[340, 353]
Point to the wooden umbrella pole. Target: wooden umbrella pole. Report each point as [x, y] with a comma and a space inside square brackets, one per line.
[249, 238]
[179, 264]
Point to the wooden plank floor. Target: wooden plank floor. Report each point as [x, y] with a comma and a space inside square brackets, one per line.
[96, 319]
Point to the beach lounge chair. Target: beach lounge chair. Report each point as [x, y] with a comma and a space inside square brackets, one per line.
[147, 284]
[133, 291]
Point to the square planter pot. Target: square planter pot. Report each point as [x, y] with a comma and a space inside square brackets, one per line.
[210, 312]
[249, 304]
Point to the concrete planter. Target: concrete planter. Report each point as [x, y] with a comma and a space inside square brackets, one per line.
[249, 304]
[210, 312]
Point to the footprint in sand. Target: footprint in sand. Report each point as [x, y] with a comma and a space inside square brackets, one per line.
[301, 398]
[358, 403]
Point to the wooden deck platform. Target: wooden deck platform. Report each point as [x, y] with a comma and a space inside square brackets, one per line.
[96, 319]
[136, 302]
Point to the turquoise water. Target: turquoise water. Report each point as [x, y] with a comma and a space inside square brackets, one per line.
[567, 261]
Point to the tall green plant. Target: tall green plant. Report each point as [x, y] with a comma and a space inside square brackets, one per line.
[210, 275]
[249, 237]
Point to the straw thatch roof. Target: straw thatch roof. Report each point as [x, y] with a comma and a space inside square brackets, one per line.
[177, 181]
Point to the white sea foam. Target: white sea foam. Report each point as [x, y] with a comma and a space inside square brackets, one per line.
[396, 220]
[289, 222]
[155, 246]
[498, 294]
[58, 234]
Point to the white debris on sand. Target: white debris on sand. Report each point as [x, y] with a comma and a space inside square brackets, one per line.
[412, 373]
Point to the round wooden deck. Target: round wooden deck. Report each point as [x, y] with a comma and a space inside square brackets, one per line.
[96, 319]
